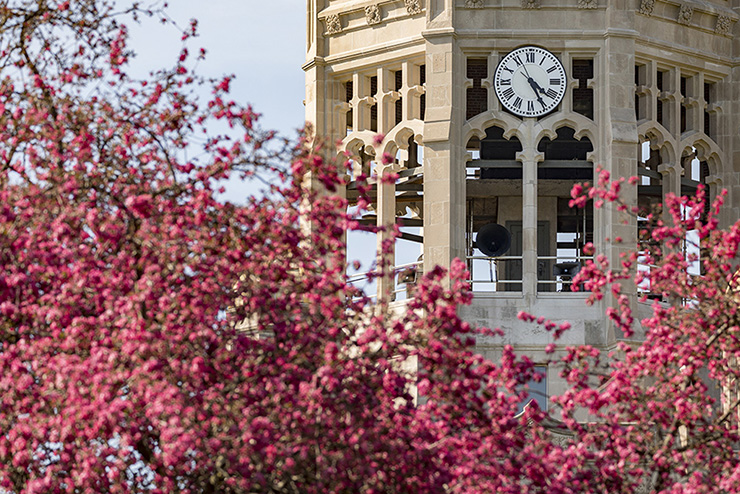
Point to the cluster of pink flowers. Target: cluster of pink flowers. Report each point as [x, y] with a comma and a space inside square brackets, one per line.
[156, 339]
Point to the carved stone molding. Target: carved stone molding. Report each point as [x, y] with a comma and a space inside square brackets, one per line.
[646, 7]
[413, 6]
[372, 14]
[474, 4]
[723, 25]
[530, 4]
[333, 24]
[685, 14]
[587, 4]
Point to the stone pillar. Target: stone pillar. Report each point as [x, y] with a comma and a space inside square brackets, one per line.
[386, 219]
[618, 126]
[444, 167]
[529, 157]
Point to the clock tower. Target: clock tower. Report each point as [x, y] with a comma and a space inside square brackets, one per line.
[494, 109]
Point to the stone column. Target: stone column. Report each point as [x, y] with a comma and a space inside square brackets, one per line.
[529, 157]
[444, 167]
[386, 220]
[618, 127]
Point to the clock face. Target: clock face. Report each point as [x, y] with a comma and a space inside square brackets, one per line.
[530, 81]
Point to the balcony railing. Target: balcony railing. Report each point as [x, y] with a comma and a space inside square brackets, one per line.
[495, 274]
[405, 278]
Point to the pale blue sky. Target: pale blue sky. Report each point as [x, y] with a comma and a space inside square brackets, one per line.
[261, 42]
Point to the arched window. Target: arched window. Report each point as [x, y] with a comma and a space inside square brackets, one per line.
[494, 196]
[562, 231]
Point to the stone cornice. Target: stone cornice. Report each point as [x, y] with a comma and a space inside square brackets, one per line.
[372, 10]
[314, 62]
[656, 43]
[369, 52]
[689, 14]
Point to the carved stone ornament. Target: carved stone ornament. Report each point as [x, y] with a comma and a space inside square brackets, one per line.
[587, 4]
[413, 6]
[474, 4]
[333, 24]
[372, 14]
[723, 25]
[530, 4]
[685, 14]
[646, 7]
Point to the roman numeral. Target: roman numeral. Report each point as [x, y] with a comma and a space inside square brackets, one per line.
[517, 103]
[506, 82]
[555, 82]
[518, 61]
[530, 105]
[510, 70]
[530, 57]
[508, 93]
[544, 57]
[552, 69]
[551, 94]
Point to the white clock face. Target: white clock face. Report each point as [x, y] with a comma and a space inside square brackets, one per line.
[530, 81]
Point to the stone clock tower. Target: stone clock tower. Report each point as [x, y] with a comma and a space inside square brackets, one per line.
[648, 89]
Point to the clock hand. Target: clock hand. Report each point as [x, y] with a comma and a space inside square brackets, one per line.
[526, 72]
[535, 87]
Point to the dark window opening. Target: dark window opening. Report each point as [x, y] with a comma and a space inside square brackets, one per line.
[399, 102]
[565, 157]
[583, 96]
[477, 96]
[639, 81]
[637, 96]
[708, 99]
[423, 97]
[659, 109]
[495, 147]
[684, 93]
[348, 93]
[707, 124]
[374, 107]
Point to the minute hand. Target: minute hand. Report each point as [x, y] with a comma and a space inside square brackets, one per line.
[535, 87]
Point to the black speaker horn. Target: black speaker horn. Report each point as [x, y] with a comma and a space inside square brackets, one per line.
[569, 269]
[493, 240]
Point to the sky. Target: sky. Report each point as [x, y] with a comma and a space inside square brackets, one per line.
[261, 42]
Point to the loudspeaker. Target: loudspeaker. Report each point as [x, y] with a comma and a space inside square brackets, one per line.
[569, 269]
[493, 240]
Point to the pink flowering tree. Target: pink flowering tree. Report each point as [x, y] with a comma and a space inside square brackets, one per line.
[154, 338]
[663, 409]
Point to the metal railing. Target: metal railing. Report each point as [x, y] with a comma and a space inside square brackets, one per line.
[562, 282]
[494, 283]
[401, 289]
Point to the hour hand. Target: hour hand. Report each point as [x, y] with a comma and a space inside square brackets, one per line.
[537, 89]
